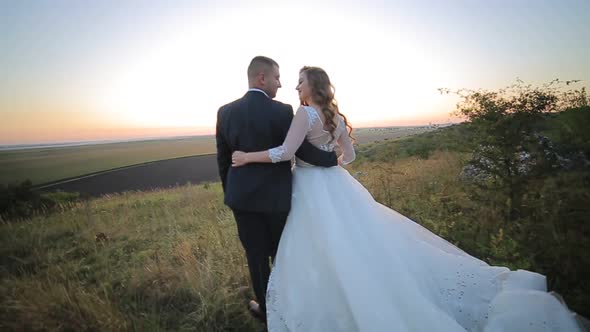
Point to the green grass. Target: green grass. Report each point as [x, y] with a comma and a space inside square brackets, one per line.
[372, 135]
[51, 164]
[452, 138]
[172, 261]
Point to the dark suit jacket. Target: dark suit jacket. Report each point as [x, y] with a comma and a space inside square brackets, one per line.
[256, 123]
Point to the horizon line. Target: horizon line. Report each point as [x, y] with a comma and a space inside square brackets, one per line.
[66, 143]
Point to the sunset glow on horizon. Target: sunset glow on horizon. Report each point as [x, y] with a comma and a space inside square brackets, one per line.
[77, 71]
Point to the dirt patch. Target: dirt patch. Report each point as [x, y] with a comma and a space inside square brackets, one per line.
[149, 176]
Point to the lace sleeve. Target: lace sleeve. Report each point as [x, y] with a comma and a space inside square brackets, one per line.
[345, 143]
[299, 127]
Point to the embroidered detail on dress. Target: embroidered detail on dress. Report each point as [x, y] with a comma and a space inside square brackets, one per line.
[276, 321]
[276, 154]
[312, 114]
[327, 147]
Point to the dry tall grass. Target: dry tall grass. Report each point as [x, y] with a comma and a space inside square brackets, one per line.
[162, 260]
[171, 259]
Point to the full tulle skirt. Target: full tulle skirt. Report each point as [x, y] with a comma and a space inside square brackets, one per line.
[347, 263]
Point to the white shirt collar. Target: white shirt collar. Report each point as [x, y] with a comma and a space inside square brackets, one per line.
[255, 89]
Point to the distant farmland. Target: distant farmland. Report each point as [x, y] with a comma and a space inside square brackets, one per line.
[52, 164]
[144, 177]
[369, 135]
[45, 165]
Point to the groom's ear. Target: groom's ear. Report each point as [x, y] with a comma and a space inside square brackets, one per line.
[262, 77]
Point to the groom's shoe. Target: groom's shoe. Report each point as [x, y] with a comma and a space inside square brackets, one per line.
[256, 311]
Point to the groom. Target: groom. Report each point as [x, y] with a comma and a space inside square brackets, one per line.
[259, 194]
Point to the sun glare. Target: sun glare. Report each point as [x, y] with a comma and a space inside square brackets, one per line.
[182, 81]
[163, 67]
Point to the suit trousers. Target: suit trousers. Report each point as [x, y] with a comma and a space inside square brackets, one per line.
[260, 233]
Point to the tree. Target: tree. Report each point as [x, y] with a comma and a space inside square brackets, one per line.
[509, 148]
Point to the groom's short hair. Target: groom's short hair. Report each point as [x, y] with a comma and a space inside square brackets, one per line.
[260, 64]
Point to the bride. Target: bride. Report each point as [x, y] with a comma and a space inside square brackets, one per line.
[348, 263]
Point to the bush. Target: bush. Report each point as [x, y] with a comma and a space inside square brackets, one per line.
[21, 201]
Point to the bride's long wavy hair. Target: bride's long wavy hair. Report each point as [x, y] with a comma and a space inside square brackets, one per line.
[322, 93]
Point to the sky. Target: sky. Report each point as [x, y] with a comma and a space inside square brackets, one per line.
[97, 70]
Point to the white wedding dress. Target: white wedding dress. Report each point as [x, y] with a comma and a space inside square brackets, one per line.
[348, 263]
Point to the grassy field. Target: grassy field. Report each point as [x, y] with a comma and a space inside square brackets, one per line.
[52, 164]
[371, 135]
[171, 259]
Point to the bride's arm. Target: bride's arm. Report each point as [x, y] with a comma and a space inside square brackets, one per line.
[295, 136]
[345, 143]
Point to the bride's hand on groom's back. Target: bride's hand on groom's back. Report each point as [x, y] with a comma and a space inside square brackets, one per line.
[239, 158]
